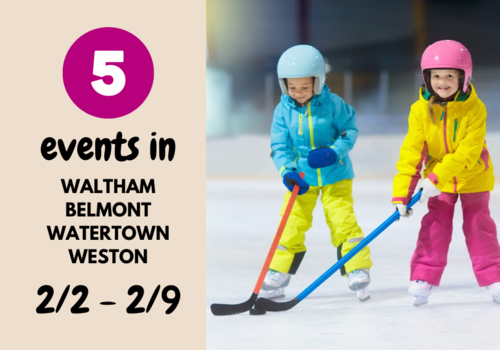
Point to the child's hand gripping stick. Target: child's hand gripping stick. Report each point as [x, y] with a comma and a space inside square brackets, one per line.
[292, 178]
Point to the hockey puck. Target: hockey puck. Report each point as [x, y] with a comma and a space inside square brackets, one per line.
[257, 311]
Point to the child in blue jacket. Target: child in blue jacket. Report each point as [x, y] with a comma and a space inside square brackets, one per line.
[313, 131]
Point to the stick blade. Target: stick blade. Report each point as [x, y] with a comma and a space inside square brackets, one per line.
[233, 309]
[270, 305]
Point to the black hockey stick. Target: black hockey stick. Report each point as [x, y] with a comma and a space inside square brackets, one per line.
[233, 309]
[270, 305]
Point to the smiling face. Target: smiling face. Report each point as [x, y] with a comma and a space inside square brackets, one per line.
[444, 82]
[300, 89]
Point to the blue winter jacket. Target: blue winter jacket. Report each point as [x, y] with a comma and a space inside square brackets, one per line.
[326, 121]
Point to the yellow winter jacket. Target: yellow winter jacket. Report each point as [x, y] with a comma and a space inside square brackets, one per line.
[453, 148]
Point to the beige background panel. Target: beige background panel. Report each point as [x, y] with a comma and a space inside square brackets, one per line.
[34, 105]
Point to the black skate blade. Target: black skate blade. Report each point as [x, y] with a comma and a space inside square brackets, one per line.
[277, 297]
[233, 309]
[281, 296]
[270, 305]
[365, 299]
[270, 297]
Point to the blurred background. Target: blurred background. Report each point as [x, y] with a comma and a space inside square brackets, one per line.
[372, 51]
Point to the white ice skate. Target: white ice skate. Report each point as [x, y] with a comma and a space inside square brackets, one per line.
[275, 280]
[363, 294]
[420, 291]
[494, 290]
[272, 294]
[358, 279]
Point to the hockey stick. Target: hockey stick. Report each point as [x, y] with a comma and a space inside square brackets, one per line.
[270, 305]
[232, 309]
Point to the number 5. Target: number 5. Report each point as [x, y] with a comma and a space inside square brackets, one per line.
[101, 70]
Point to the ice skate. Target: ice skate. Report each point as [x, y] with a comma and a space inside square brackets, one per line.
[272, 294]
[420, 291]
[358, 279]
[494, 290]
[275, 280]
[363, 294]
[420, 300]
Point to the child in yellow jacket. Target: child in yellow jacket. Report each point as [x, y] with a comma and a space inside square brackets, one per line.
[447, 129]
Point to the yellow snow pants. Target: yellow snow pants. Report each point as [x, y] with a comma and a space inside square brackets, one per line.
[344, 230]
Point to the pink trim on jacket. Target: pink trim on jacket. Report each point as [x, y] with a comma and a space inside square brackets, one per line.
[417, 175]
[433, 178]
[404, 200]
[485, 156]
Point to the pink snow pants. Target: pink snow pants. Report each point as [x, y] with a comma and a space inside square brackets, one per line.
[429, 260]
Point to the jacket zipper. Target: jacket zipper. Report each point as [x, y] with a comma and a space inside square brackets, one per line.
[311, 135]
[455, 132]
[301, 131]
[445, 115]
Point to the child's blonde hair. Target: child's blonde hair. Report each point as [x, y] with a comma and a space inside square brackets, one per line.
[461, 77]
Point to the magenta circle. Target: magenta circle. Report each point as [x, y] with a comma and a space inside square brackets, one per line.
[78, 74]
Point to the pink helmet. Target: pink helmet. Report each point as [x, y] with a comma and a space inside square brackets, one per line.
[447, 54]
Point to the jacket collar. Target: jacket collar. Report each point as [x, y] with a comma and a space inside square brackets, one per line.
[315, 101]
[462, 97]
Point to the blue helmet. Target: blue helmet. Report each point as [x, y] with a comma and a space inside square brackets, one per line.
[299, 62]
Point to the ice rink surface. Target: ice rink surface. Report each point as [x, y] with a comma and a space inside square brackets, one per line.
[242, 218]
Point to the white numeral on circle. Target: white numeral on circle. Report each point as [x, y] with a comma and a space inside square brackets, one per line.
[101, 70]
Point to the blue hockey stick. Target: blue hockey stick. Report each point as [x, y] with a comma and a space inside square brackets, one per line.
[270, 305]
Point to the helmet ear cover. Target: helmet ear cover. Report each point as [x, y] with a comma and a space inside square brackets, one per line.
[283, 86]
[427, 80]
[315, 86]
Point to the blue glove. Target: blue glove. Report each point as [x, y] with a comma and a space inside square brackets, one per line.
[291, 179]
[321, 157]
